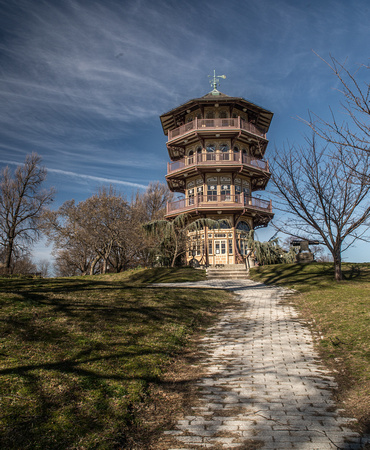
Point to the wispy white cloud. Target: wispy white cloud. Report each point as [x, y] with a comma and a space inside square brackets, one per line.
[78, 77]
[84, 177]
[97, 179]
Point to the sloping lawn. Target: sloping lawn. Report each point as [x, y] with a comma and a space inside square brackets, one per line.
[339, 314]
[79, 356]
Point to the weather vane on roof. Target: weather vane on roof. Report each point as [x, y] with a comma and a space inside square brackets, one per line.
[215, 80]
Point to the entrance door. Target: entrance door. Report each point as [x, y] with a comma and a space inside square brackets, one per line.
[220, 251]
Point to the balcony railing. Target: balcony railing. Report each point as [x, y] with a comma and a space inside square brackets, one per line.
[220, 124]
[229, 157]
[219, 201]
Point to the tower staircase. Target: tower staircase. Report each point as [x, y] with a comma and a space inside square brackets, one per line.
[227, 272]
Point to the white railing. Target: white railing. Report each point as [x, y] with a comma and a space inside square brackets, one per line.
[206, 124]
[219, 201]
[229, 157]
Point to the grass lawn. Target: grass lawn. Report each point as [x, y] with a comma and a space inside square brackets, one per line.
[79, 357]
[339, 314]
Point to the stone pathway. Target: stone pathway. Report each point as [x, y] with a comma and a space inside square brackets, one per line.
[265, 387]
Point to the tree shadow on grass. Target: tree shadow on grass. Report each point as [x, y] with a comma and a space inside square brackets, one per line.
[304, 276]
[74, 368]
[68, 399]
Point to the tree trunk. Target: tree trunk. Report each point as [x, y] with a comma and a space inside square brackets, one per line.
[8, 257]
[93, 264]
[337, 265]
[104, 269]
[174, 256]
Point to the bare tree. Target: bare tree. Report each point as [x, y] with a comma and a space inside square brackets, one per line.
[21, 204]
[71, 242]
[104, 231]
[23, 265]
[154, 200]
[43, 267]
[146, 207]
[322, 197]
[353, 131]
[72, 261]
[88, 231]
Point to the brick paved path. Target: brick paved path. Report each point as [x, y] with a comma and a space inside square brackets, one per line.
[265, 388]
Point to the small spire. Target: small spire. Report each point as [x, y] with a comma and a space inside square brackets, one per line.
[215, 80]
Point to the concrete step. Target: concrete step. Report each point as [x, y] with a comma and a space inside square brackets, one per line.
[228, 271]
[227, 277]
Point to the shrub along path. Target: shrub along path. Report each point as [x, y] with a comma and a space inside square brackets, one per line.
[264, 385]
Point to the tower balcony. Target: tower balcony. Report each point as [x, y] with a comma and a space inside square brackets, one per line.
[214, 125]
[224, 203]
[219, 159]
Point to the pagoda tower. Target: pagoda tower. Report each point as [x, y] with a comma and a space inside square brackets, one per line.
[216, 144]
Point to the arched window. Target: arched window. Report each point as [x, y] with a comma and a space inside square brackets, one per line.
[191, 196]
[191, 157]
[199, 154]
[225, 193]
[243, 226]
[224, 148]
[223, 115]
[211, 191]
[222, 225]
[211, 152]
[244, 155]
[241, 239]
[236, 153]
[246, 191]
[210, 115]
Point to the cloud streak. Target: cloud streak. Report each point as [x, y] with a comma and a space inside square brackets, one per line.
[84, 177]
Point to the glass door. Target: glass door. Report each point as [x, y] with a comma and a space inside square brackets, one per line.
[220, 252]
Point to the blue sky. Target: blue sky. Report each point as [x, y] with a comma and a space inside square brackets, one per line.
[83, 82]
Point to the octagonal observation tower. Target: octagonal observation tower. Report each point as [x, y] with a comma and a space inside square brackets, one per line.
[217, 144]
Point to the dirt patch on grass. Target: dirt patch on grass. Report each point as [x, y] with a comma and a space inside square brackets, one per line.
[169, 401]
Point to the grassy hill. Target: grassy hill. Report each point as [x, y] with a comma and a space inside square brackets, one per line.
[339, 316]
[102, 362]
[79, 357]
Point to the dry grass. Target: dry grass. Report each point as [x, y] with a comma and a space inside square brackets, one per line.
[85, 362]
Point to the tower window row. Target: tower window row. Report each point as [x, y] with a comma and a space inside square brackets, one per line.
[213, 114]
[213, 147]
[215, 186]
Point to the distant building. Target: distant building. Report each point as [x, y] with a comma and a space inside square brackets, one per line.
[216, 144]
